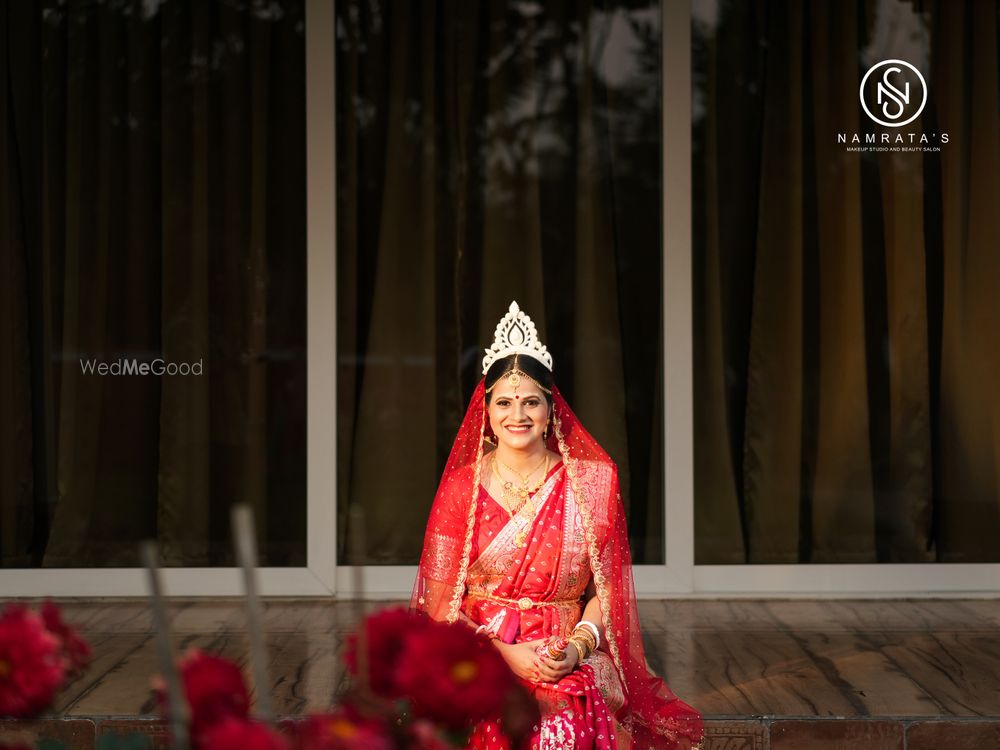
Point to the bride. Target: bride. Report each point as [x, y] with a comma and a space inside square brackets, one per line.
[527, 542]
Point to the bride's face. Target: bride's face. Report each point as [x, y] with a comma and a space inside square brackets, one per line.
[518, 416]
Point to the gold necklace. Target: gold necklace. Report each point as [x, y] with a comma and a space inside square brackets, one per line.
[522, 535]
[525, 477]
[515, 497]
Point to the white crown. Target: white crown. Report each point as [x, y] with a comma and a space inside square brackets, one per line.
[516, 334]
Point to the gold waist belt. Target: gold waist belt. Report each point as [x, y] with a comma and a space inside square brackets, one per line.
[525, 602]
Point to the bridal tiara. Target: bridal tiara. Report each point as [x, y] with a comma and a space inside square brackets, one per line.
[516, 334]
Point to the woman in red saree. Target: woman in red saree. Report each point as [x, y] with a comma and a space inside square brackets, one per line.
[527, 542]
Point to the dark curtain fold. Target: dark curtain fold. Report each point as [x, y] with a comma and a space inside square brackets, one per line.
[846, 304]
[19, 219]
[490, 152]
[155, 189]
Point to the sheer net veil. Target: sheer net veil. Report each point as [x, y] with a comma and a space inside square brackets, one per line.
[655, 716]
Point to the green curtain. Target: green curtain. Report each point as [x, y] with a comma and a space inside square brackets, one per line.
[153, 205]
[846, 354]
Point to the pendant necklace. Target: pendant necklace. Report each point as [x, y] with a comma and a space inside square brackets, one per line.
[523, 493]
[516, 495]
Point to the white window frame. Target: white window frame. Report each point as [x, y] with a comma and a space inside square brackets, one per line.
[318, 577]
[679, 577]
[867, 580]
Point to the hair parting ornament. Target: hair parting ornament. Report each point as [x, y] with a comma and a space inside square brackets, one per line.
[514, 378]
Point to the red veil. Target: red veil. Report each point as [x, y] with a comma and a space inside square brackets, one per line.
[655, 716]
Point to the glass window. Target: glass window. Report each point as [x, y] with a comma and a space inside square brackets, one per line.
[846, 278]
[152, 224]
[489, 152]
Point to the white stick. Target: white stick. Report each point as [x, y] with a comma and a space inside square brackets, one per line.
[175, 694]
[246, 556]
[359, 550]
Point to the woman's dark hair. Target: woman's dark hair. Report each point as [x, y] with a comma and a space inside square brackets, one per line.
[526, 364]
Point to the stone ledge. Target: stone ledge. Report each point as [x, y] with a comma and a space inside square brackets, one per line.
[729, 733]
[156, 730]
[819, 734]
[76, 733]
[945, 733]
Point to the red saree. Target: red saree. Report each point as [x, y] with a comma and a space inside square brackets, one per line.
[524, 577]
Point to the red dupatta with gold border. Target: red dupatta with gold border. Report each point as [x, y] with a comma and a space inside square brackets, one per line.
[653, 715]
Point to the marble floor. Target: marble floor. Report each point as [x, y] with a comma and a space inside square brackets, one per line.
[728, 658]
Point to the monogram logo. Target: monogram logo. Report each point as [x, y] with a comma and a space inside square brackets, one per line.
[889, 92]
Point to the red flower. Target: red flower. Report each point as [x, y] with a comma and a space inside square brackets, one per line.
[31, 670]
[520, 716]
[453, 675]
[232, 733]
[424, 735]
[215, 691]
[344, 728]
[385, 631]
[75, 650]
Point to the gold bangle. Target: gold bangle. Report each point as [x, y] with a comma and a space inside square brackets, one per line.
[588, 625]
[582, 632]
[579, 651]
[587, 638]
[582, 646]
